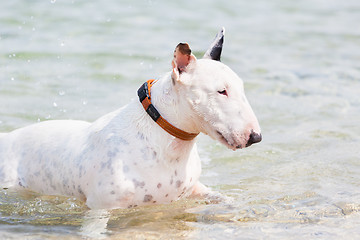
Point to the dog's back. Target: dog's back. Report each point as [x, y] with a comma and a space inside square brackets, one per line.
[33, 147]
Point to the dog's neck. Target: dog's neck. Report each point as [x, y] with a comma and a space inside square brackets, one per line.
[172, 105]
[133, 117]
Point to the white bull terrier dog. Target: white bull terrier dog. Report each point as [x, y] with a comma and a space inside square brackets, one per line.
[143, 153]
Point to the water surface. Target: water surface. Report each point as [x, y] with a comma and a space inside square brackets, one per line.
[300, 62]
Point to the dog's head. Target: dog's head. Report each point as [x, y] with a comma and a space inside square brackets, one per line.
[215, 96]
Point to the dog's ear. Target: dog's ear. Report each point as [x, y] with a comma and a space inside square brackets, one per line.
[214, 51]
[182, 58]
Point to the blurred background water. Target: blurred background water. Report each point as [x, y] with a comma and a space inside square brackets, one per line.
[300, 62]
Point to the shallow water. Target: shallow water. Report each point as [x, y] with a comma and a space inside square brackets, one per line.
[300, 62]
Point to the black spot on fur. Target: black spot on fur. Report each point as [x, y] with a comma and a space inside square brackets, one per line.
[178, 183]
[171, 180]
[138, 184]
[148, 198]
[80, 190]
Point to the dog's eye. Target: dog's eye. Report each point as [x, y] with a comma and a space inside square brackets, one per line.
[223, 92]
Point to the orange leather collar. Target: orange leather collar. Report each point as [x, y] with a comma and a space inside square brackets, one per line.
[144, 94]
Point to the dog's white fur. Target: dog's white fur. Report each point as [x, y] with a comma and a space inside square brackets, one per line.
[124, 158]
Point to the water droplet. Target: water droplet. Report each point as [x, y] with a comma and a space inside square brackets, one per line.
[61, 93]
[84, 102]
[12, 78]
[53, 1]
[62, 44]
[55, 104]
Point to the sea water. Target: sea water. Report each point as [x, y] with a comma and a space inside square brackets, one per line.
[300, 62]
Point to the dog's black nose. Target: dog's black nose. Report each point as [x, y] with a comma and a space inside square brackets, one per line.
[254, 138]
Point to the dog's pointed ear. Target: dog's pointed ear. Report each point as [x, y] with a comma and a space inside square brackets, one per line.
[214, 51]
[182, 58]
